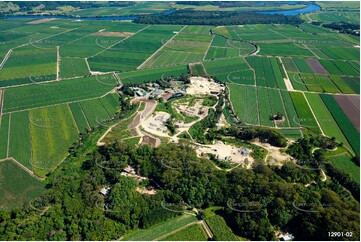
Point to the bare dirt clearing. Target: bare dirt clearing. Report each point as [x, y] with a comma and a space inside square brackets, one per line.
[41, 21]
[113, 34]
[203, 86]
[226, 152]
[274, 153]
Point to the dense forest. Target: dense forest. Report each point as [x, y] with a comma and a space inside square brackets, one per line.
[190, 17]
[72, 208]
[345, 28]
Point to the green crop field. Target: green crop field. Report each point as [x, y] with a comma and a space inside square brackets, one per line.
[243, 100]
[73, 67]
[290, 109]
[197, 69]
[344, 163]
[346, 84]
[220, 229]
[152, 74]
[193, 232]
[285, 49]
[305, 116]
[160, 229]
[277, 106]
[27, 65]
[95, 112]
[294, 134]
[79, 117]
[17, 187]
[265, 111]
[133, 51]
[52, 132]
[33, 96]
[289, 65]
[185, 47]
[230, 70]
[325, 119]
[343, 122]
[339, 68]
[19, 145]
[268, 72]
[110, 104]
[4, 133]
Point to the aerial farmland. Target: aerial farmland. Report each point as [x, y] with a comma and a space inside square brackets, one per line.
[96, 105]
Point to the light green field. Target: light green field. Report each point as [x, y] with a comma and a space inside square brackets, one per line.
[16, 186]
[33, 96]
[73, 67]
[193, 232]
[19, 145]
[243, 100]
[160, 229]
[344, 163]
[325, 119]
[52, 131]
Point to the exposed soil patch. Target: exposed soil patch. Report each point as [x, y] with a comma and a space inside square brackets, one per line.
[147, 140]
[351, 107]
[39, 21]
[113, 34]
[316, 66]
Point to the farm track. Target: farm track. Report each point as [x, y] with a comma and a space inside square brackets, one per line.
[57, 63]
[330, 93]
[150, 57]
[5, 58]
[30, 43]
[313, 114]
[51, 105]
[175, 231]
[209, 46]
[118, 42]
[1, 103]
[206, 229]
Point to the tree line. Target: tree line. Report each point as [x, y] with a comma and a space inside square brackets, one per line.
[192, 17]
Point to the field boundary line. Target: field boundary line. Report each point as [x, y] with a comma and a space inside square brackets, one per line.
[251, 68]
[8, 147]
[287, 81]
[314, 116]
[209, 46]
[117, 42]
[141, 65]
[175, 231]
[50, 105]
[24, 168]
[57, 63]
[73, 118]
[5, 58]
[99, 142]
[2, 91]
[61, 79]
[280, 34]
[310, 51]
[206, 229]
[87, 64]
[284, 107]
[19, 46]
[85, 117]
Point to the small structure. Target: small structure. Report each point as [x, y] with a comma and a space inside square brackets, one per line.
[244, 152]
[129, 170]
[139, 93]
[282, 236]
[104, 191]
